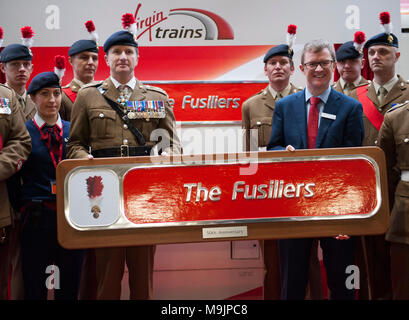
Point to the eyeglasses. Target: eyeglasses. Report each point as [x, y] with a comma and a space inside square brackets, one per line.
[313, 65]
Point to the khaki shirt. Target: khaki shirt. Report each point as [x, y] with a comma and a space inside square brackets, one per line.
[394, 141]
[16, 147]
[398, 94]
[95, 124]
[257, 113]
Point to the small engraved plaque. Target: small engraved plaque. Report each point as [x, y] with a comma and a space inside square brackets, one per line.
[224, 232]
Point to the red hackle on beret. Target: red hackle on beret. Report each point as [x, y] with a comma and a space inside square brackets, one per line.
[27, 32]
[292, 29]
[90, 26]
[59, 62]
[127, 20]
[385, 17]
[359, 37]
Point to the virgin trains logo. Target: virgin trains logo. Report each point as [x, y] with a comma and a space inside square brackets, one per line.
[161, 25]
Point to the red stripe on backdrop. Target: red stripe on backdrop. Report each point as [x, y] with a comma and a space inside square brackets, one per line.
[164, 63]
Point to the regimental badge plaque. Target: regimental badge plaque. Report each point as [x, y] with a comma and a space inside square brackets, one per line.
[270, 195]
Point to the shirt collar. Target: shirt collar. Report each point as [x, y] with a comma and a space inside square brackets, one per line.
[40, 122]
[131, 83]
[323, 96]
[284, 92]
[388, 86]
[355, 83]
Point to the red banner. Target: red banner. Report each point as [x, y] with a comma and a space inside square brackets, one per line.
[209, 101]
[323, 189]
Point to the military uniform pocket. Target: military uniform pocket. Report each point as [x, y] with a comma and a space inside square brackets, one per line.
[263, 125]
[399, 224]
[102, 123]
[148, 126]
[402, 149]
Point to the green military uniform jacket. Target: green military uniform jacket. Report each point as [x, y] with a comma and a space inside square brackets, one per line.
[257, 113]
[96, 125]
[15, 147]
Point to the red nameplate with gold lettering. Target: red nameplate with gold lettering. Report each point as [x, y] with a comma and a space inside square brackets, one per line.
[301, 189]
[148, 200]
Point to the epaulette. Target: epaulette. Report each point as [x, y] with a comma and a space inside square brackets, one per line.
[157, 89]
[262, 92]
[92, 84]
[6, 87]
[397, 106]
[363, 84]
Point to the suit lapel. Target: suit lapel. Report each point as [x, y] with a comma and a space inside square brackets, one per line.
[139, 92]
[331, 107]
[298, 110]
[268, 99]
[372, 95]
[111, 92]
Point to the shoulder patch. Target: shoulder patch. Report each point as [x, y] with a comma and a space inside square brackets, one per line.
[157, 89]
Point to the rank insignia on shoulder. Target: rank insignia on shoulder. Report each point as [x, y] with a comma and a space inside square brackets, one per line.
[5, 106]
[152, 109]
[157, 89]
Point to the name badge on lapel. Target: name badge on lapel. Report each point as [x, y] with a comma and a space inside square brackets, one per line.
[328, 116]
[5, 106]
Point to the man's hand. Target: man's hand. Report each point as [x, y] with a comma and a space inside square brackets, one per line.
[342, 237]
[289, 148]
[90, 157]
